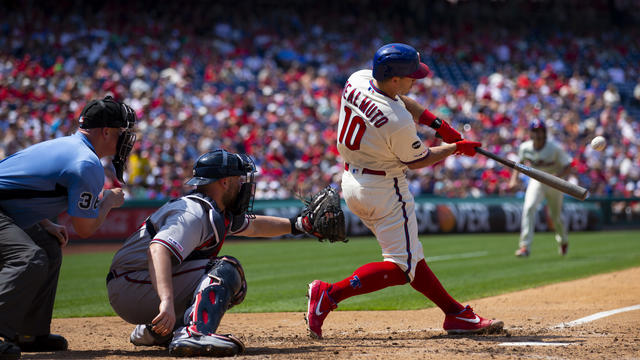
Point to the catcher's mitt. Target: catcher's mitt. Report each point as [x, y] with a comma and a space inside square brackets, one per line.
[323, 216]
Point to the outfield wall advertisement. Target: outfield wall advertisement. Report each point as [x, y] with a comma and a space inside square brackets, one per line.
[476, 216]
[434, 216]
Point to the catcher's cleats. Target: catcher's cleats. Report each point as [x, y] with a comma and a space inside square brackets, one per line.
[318, 307]
[468, 322]
[322, 217]
[206, 345]
[143, 335]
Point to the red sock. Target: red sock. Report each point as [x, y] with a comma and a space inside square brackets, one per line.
[368, 278]
[429, 285]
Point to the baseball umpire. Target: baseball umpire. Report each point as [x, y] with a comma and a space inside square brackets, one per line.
[168, 277]
[378, 141]
[37, 184]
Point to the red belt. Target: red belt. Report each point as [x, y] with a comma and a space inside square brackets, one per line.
[367, 171]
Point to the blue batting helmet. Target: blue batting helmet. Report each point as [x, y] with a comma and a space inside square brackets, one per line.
[218, 164]
[537, 124]
[398, 60]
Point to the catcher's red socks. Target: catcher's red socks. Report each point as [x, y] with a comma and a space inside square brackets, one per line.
[368, 278]
[429, 285]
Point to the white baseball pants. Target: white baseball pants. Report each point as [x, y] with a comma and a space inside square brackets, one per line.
[534, 195]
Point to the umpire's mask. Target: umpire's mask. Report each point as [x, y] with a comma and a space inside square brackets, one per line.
[218, 164]
[110, 113]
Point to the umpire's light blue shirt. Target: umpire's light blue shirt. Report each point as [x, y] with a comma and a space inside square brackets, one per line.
[45, 179]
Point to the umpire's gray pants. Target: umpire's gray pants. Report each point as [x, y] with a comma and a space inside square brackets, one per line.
[29, 267]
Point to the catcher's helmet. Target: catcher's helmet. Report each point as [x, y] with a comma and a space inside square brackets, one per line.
[398, 60]
[218, 164]
[537, 124]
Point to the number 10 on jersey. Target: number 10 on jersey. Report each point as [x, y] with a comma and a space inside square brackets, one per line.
[352, 130]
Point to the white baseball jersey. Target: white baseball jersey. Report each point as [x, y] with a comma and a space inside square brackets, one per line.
[189, 227]
[378, 134]
[375, 131]
[551, 158]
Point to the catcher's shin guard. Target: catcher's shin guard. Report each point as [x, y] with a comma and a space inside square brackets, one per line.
[226, 287]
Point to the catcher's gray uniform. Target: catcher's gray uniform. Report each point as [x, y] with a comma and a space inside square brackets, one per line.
[193, 229]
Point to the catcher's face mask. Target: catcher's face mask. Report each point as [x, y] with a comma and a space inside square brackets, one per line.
[125, 141]
[246, 195]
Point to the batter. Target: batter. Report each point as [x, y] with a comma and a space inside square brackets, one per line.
[378, 142]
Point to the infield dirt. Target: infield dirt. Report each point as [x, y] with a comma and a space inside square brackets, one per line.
[529, 316]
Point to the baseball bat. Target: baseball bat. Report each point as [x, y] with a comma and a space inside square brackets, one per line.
[555, 182]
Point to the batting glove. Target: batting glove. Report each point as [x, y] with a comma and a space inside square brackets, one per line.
[448, 134]
[466, 147]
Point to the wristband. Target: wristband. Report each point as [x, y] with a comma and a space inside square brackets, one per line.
[294, 228]
[436, 124]
[427, 118]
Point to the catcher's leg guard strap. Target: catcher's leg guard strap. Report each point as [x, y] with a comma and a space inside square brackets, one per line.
[227, 288]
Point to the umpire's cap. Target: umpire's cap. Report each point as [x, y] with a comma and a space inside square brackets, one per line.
[398, 60]
[106, 113]
[218, 164]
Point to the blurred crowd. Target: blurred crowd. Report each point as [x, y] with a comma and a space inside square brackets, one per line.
[265, 79]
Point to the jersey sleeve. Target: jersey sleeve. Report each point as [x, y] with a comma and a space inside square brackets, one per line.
[521, 152]
[563, 157]
[181, 233]
[84, 184]
[406, 145]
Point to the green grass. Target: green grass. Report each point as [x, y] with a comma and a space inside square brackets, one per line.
[278, 271]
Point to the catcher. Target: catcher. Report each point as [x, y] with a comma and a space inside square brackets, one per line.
[168, 277]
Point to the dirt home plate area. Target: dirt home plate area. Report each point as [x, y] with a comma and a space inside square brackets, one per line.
[592, 318]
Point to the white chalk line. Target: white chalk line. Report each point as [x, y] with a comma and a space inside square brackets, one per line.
[580, 321]
[596, 316]
[405, 331]
[534, 343]
[457, 256]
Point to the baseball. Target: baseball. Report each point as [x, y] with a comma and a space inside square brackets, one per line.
[598, 143]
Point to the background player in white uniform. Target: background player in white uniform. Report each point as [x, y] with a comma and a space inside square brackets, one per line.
[38, 184]
[378, 141]
[168, 276]
[548, 156]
